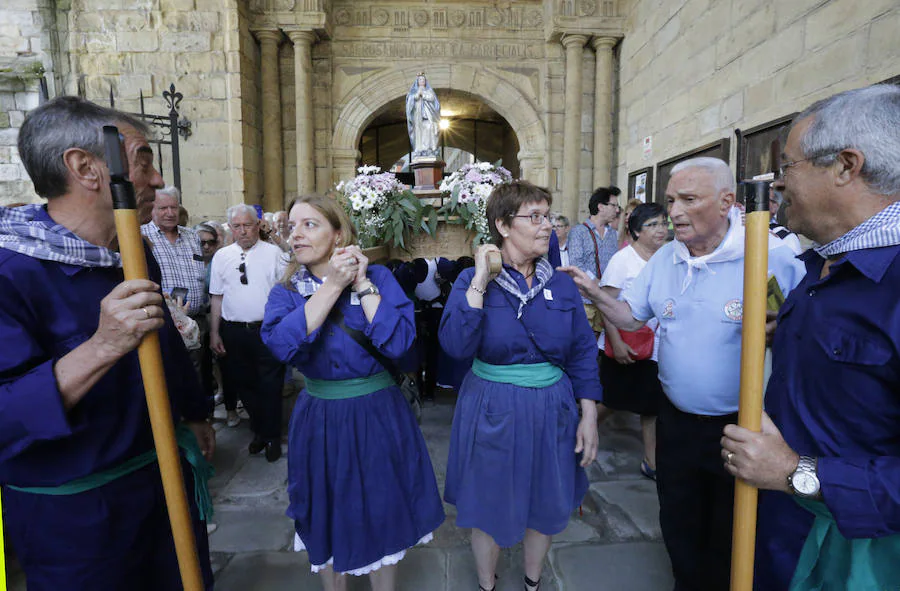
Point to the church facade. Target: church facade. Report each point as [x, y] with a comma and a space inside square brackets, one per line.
[280, 93]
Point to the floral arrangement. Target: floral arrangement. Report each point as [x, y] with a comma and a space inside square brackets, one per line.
[468, 189]
[384, 210]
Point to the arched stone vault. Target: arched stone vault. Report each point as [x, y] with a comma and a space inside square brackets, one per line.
[359, 103]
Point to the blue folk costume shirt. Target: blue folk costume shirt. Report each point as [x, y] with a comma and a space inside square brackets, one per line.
[835, 394]
[554, 318]
[47, 309]
[329, 353]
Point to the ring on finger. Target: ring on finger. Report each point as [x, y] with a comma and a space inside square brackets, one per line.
[728, 457]
[146, 313]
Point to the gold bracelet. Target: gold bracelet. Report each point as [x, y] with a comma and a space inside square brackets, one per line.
[476, 290]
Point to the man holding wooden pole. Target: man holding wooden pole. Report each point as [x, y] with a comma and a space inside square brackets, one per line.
[829, 452]
[85, 508]
[694, 287]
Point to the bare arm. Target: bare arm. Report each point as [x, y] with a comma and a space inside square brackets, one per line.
[475, 293]
[618, 313]
[215, 322]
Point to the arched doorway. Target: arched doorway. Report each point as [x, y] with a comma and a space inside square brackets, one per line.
[365, 97]
[471, 131]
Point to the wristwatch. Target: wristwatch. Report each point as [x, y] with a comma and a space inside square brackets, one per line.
[804, 481]
[371, 290]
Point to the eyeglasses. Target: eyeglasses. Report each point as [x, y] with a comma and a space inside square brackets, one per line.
[536, 218]
[785, 165]
[208, 242]
[560, 226]
[243, 269]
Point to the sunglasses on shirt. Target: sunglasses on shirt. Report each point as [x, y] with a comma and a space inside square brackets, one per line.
[243, 269]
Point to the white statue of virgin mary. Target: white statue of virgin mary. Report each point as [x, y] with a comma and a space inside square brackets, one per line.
[423, 114]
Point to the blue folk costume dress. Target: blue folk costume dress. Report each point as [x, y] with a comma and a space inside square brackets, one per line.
[361, 486]
[512, 463]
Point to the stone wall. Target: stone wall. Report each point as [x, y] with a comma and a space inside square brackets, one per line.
[694, 70]
[144, 46]
[25, 46]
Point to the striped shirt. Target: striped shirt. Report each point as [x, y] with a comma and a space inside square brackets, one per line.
[580, 245]
[181, 264]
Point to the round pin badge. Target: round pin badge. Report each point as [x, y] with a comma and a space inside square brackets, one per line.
[734, 310]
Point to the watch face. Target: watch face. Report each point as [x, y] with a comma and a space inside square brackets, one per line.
[805, 483]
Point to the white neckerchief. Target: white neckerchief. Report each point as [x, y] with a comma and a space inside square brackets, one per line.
[731, 248]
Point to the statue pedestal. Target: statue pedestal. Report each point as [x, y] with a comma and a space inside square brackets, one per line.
[428, 174]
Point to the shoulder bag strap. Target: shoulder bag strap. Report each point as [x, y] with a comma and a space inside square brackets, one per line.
[596, 248]
[337, 317]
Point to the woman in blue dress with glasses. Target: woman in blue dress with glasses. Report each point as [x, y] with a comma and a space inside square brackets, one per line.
[518, 447]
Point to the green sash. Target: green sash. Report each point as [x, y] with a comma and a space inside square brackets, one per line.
[352, 388]
[201, 469]
[831, 562]
[535, 375]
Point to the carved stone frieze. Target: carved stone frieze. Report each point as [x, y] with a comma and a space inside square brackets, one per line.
[486, 16]
[456, 50]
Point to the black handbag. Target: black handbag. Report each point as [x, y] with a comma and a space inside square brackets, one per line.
[407, 385]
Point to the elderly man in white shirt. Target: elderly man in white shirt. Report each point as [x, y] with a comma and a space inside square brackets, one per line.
[241, 276]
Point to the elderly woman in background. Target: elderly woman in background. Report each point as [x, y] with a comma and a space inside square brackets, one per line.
[631, 379]
[361, 485]
[514, 470]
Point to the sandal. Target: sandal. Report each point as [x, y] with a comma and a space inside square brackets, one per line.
[532, 585]
[647, 471]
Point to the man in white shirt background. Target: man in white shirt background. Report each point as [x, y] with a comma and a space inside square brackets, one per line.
[241, 277]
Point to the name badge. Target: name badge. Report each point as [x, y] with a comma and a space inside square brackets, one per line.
[548, 295]
[354, 298]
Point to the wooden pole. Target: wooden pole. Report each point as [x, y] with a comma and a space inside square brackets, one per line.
[134, 263]
[753, 352]
[495, 262]
[2, 549]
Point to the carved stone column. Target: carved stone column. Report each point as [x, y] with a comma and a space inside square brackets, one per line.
[273, 157]
[603, 110]
[306, 170]
[574, 45]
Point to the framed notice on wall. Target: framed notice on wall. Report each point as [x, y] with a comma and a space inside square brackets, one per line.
[720, 149]
[640, 185]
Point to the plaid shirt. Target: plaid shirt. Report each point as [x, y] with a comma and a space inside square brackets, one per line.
[581, 249]
[880, 230]
[181, 264]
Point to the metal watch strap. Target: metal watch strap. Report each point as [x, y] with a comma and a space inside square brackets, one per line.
[371, 290]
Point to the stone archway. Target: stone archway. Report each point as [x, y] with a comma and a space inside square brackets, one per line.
[360, 103]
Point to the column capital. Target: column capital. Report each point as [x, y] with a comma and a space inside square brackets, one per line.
[307, 37]
[604, 42]
[569, 40]
[273, 34]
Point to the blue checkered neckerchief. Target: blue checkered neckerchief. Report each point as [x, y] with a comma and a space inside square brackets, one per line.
[543, 270]
[882, 229]
[21, 232]
[305, 282]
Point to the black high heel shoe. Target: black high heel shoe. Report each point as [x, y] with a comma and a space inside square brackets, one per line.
[532, 585]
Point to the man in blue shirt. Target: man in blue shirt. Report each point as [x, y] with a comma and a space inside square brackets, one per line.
[85, 509]
[830, 455]
[694, 288]
[592, 243]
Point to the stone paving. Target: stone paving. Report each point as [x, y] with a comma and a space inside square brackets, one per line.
[613, 544]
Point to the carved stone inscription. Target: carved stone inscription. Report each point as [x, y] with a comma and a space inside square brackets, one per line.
[448, 49]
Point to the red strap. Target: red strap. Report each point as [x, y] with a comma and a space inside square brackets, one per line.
[596, 247]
